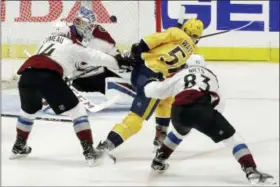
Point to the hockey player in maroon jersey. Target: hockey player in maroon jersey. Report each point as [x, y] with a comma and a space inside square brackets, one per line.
[198, 104]
[42, 76]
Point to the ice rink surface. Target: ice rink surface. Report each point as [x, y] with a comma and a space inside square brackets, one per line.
[252, 106]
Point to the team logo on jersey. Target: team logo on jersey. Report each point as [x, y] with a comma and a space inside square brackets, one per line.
[61, 107]
[80, 66]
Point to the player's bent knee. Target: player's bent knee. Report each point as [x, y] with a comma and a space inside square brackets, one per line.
[27, 115]
[181, 129]
[78, 111]
[221, 130]
[226, 132]
[234, 140]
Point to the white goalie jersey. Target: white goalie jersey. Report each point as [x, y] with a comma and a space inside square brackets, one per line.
[187, 86]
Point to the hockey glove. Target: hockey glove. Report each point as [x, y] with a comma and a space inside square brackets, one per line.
[125, 63]
[157, 77]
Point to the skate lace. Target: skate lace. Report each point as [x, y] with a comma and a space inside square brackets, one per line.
[160, 157]
[102, 145]
[88, 150]
[20, 146]
[20, 141]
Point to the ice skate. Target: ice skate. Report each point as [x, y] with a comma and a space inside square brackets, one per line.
[258, 178]
[92, 156]
[104, 148]
[20, 149]
[159, 163]
[159, 138]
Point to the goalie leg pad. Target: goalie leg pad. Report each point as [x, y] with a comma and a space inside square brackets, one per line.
[119, 86]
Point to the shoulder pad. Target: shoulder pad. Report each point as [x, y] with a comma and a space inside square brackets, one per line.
[100, 33]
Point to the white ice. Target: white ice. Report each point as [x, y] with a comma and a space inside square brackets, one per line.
[252, 92]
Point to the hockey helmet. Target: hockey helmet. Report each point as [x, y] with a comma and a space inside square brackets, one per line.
[196, 60]
[193, 27]
[85, 22]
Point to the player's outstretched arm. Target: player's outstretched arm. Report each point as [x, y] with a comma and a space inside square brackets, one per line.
[159, 89]
[98, 58]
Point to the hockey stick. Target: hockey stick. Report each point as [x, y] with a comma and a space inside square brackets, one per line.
[181, 22]
[39, 118]
[91, 107]
[222, 32]
[86, 71]
[181, 17]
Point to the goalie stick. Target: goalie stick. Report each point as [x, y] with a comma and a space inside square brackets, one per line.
[181, 22]
[91, 107]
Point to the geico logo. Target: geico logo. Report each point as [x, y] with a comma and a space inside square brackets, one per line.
[226, 14]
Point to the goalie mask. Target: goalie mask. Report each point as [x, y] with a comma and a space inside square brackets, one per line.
[85, 22]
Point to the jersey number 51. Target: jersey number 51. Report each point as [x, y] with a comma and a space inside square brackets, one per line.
[174, 54]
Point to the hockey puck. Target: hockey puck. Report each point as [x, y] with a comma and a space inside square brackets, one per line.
[113, 19]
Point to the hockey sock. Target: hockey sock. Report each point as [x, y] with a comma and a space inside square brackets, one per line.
[170, 143]
[82, 129]
[24, 127]
[243, 155]
[162, 125]
[240, 150]
[114, 139]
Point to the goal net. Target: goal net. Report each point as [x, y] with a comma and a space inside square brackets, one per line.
[26, 23]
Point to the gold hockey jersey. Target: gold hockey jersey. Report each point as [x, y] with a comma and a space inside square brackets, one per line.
[169, 50]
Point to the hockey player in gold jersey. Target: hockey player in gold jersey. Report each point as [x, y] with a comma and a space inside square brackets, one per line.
[158, 55]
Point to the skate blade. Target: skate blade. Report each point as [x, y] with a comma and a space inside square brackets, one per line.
[101, 159]
[268, 181]
[93, 162]
[18, 156]
[154, 174]
[106, 155]
[160, 171]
